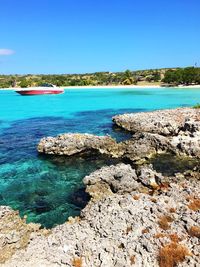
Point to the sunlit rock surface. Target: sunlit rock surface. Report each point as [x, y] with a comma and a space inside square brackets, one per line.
[134, 210]
[176, 130]
[122, 224]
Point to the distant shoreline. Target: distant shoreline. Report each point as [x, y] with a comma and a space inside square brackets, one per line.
[114, 87]
[126, 87]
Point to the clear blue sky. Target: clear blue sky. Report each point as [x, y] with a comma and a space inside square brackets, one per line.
[77, 36]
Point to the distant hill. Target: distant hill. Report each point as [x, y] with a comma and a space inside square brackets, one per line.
[167, 77]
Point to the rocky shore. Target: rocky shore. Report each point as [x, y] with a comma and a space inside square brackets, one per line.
[175, 131]
[136, 216]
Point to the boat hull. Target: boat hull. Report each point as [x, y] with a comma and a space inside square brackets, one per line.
[39, 92]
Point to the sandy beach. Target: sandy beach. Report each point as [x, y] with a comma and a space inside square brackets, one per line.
[127, 87]
[116, 87]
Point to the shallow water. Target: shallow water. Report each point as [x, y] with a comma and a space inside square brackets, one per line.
[47, 188]
[169, 164]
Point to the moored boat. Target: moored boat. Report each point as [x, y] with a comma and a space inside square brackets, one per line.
[44, 89]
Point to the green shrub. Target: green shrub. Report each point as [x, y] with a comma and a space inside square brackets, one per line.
[197, 106]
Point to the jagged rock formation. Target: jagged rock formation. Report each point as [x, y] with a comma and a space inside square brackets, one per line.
[166, 122]
[70, 144]
[176, 130]
[136, 216]
[123, 227]
[15, 234]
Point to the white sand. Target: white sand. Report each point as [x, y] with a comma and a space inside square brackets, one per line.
[117, 87]
[127, 87]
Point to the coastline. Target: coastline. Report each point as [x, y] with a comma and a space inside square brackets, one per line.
[115, 87]
[129, 87]
[136, 212]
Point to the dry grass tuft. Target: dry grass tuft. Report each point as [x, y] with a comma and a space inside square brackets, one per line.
[145, 231]
[172, 210]
[194, 204]
[174, 238]
[164, 222]
[172, 254]
[132, 259]
[77, 262]
[194, 231]
[136, 197]
[159, 235]
[189, 197]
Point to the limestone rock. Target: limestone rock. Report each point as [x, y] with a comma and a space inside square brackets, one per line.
[70, 144]
[121, 178]
[119, 229]
[123, 225]
[176, 131]
[163, 122]
[144, 145]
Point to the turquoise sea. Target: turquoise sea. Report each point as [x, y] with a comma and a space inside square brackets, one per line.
[49, 189]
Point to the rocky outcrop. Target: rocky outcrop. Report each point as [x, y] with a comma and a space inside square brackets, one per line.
[135, 217]
[162, 122]
[122, 178]
[176, 131]
[70, 144]
[144, 145]
[141, 146]
[15, 234]
[124, 227]
[187, 141]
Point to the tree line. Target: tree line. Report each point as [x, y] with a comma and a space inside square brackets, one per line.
[186, 76]
[176, 76]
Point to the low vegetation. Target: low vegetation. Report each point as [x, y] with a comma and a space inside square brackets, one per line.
[164, 222]
[172, 254]
[172, 210]
[169, 77]
[77, 262]
[194, 231]
[197, 106]
[186, 76]
[132, 259]
[194, 204]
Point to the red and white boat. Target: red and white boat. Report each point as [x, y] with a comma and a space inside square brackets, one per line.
[44, 89]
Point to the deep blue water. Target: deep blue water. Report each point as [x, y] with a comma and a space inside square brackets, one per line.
[47, 189]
